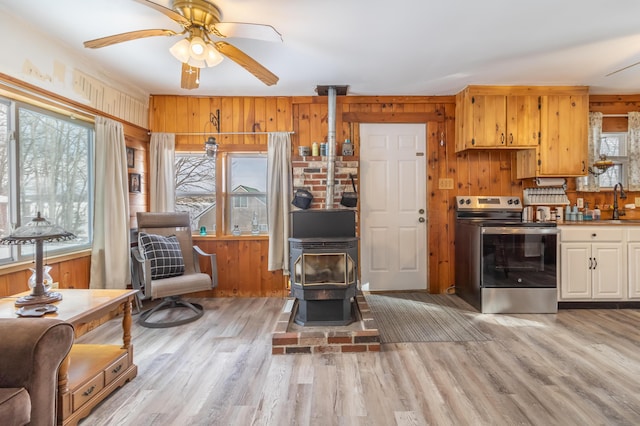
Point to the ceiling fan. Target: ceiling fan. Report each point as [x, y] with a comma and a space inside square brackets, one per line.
[203, 45]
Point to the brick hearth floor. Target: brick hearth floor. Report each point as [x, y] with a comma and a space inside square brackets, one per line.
[360, 336]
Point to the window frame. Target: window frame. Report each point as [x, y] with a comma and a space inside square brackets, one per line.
[221, 182]
[20, 253]
[621, 161]
[227, 190]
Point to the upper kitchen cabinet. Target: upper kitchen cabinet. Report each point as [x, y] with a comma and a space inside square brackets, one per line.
[564, 126]
[490, 117]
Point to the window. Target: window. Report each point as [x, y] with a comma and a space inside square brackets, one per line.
[242, 187]
[614, 147]
[246, 192]
[45, 166]
[196, 189]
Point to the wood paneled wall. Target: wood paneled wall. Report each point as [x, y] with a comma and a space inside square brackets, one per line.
[242, 262]
[242, 268]
[475, 172]
[138, 202]
[609, 105]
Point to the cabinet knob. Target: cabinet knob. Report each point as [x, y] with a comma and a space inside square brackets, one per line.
[594, 235]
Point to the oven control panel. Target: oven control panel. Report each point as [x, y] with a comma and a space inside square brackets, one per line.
[489, 203]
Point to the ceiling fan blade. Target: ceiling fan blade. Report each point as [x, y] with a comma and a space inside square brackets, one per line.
[245, 30]
[167, 12]
[622, 69]
[190, 77]
[248, 63]
[132, 35]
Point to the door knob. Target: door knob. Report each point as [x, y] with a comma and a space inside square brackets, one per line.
[421, 211]
[421, 220]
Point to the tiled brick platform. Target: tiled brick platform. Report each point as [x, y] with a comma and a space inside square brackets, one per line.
[360, 336]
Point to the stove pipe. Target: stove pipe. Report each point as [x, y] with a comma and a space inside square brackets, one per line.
[331, 148]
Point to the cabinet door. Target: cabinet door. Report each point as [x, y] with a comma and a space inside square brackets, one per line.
[489, 121]
[633, 265]
[575, 275]
[609, 271]
[523, 121]
[563, 135]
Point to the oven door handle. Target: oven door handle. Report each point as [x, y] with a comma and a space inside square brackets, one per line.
[526, 230]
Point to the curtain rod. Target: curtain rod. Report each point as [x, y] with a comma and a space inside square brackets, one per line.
[224, 133]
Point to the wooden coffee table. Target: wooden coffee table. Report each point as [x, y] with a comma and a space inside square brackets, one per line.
[91, 372]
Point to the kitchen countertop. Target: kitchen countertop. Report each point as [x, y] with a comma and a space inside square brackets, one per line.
[607, 222]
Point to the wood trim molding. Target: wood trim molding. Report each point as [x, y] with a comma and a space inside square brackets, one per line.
[33, 94]
[392, 117]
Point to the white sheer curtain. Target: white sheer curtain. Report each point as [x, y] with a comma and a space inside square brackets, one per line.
[110, 252]
[279, 189]
[590, 182]
[633, 176]
[162, 169]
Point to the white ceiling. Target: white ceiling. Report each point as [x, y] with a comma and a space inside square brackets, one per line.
[404, 47]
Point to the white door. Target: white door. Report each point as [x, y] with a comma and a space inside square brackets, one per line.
[393, 210]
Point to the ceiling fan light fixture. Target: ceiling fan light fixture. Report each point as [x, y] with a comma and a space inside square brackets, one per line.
[213, 56]
[180, 50]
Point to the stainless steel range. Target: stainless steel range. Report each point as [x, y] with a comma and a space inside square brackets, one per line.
[504, 265]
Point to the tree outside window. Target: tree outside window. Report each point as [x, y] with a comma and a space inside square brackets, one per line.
[196, 189]
[46, 167]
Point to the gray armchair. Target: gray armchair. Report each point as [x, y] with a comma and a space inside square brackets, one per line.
[31, 351]
[166, 265]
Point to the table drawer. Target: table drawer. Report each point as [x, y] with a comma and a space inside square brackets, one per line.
[86, 392]
[114, 370]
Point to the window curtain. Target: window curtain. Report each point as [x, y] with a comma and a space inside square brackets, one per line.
[590, 183]
[279, 188]
[162, 169]
[110, 252]
[633, 178]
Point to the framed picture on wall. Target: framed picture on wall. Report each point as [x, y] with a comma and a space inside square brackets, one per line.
[131, 157]
[134, 182]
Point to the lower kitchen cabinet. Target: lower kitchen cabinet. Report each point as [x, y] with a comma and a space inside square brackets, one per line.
[592, 271]
[593, 263]
[633, 262]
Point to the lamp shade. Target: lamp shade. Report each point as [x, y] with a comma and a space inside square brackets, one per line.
[37, 232]
[180, 50]
[198, 48]
[213, 56]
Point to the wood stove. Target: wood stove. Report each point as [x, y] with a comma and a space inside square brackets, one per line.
[323, 253]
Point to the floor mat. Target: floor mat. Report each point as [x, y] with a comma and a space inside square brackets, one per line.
[423, 317]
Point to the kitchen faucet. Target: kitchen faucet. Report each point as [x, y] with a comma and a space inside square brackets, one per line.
[616, 211]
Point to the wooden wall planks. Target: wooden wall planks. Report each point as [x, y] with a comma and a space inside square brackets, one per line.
[475, 172]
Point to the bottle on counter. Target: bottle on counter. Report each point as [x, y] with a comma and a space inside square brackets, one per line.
[596, 213]
[315, 150]
[567, 214]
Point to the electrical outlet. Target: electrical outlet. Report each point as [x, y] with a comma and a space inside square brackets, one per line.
[637, 202]
[445, 183]
[580, 203]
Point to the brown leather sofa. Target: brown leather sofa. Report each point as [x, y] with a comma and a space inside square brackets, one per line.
[31, 351]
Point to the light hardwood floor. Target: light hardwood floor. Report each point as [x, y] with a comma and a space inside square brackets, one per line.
[579, 367]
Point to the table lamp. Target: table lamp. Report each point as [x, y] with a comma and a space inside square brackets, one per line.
[37, 232]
